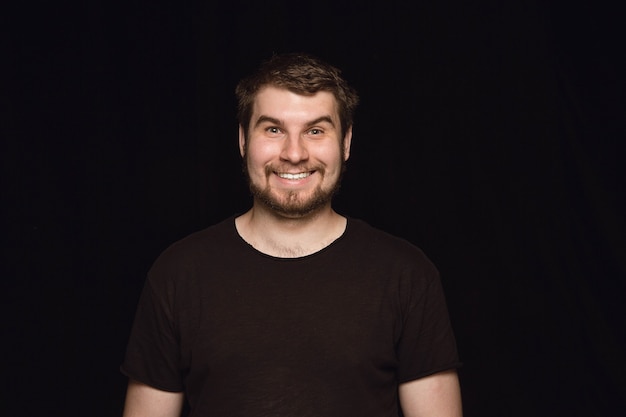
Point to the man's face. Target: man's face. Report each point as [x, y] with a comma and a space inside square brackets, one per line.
[294, 155]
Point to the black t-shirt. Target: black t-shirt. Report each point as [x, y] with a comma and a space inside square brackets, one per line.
[328, 334]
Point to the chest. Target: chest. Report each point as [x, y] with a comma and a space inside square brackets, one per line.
[305, 320]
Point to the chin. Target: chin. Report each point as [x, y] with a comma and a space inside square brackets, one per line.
[291, 206]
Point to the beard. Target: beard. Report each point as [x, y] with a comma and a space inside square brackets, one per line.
[294, 204]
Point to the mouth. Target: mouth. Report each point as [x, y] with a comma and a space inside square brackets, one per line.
[294, 176]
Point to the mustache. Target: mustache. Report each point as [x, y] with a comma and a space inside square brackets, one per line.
[270, 169]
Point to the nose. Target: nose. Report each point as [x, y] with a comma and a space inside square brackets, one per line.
[294, 149]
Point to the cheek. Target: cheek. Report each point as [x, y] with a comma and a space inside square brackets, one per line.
[333, 156]
[257, 158]
[262, 151]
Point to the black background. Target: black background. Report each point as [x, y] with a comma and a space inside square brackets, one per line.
[489, 133]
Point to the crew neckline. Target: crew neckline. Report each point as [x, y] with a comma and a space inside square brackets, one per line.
[335, 243]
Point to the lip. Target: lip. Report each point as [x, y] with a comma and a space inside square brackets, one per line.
[294, 179]
[294, 176]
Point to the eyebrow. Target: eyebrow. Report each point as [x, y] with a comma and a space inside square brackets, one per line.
[268, 119]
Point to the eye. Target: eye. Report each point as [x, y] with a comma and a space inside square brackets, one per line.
[273, 130]
[315, 131]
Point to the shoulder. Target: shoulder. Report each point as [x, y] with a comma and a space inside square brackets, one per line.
[403, 268]
[361, 232]
[203, 246]
[390, 255]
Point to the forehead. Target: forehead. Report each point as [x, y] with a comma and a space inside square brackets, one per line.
[281, 103]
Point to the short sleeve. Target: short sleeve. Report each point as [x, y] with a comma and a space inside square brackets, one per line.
[427, 344]
[153, 351]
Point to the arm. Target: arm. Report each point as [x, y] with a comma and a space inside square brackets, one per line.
[144, 401]
[437, 395]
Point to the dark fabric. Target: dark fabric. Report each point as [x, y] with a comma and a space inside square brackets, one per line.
[330, 334]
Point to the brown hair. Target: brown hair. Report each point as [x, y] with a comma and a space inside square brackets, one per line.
[302, 74]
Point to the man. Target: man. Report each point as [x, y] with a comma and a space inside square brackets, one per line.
[291, 309]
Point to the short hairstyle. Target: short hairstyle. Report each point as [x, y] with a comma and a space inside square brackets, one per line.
[302, 74]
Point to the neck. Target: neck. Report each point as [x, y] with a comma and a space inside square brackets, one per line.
[286, 237]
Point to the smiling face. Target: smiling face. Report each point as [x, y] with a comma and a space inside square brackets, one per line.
[293, 153]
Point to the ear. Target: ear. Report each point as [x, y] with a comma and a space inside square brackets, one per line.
[347, 142]
[242, 141]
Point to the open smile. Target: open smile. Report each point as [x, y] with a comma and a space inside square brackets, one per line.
[294, 176]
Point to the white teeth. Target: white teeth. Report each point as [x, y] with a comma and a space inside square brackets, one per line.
[294, 176]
